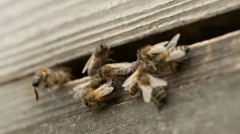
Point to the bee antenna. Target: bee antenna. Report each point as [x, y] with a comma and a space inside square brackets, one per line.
[98, 76]
[103, 40]
[36, 94]
[99, 72]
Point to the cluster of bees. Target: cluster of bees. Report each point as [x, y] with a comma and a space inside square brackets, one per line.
[136, 77]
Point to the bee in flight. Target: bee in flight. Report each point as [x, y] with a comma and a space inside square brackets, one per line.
[90, 97]
[149, 52]
[144, 81]
[116, 70]
[98, 59]
[49, 78]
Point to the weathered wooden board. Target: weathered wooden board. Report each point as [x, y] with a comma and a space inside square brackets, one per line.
[31, 38]
[203, 98]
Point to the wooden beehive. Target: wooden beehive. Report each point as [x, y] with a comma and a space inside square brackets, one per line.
[203, 96]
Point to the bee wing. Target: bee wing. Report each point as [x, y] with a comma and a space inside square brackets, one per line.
[80, 86]
[104, 90]
[129, 80]
[157, 82]
[121, 68]
[173, 42]
[158, 48]
[126, 88]
[81, 93]
[134, 65]
[146, 92]
[105, 85]
[87, 64]
[121, 64]
[176, 54]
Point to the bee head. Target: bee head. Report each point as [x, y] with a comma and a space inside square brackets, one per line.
[95, 83]
[85, 103]
[90, 97]
[155, 63]
[142, 66]
[102, 48]
[142, 52]
[104, 71]
[187, 50]
[145, 49]
[151, 65]
[37, 79]
[139, 54]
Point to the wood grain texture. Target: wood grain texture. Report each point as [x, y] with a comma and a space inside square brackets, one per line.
[203, 97]
[31, 37]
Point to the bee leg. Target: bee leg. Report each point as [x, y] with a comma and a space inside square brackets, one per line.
[110, 102]
[120, 78]
[172, 69]
[160, 70]
[154, 67]
[69, 79]
[49, 86]
[182, 63]
[110, 61]
[110, 52]
[99, 105]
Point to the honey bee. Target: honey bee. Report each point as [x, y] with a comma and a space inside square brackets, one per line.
[94, 97]
[49, 78]
[83, 89]
[140, 79]
[130, 84]
[170, 57]
[116, 70]
[149, 52]
[98, 59]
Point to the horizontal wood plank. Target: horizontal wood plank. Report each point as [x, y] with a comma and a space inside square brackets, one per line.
[203, 97]
[31, 38]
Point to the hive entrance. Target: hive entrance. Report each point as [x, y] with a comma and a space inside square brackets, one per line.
[191, 33]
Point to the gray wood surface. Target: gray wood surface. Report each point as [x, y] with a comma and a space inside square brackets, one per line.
[203, 98]
[44, 33]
